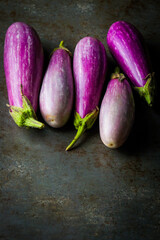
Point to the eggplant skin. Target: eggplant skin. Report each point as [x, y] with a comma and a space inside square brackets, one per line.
[127, 46]
[56, 95]
[116, 113]
[89, 68]
[23, 63]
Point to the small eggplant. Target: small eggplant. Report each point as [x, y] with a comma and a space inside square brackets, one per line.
[89, 68]
[127, 46]
[117, 112]
[56, 95]
[23, 65]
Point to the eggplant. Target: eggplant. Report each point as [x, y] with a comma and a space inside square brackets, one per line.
[127, 46]
[116, 112]
[23, 66]
[56, 95]
[89, 68]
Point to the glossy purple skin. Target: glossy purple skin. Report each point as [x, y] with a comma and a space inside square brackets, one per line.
[126, 45]
[23, 63]
[89, 67]
[116, 113]
[56, 95]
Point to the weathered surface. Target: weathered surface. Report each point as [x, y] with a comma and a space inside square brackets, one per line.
[91, 192]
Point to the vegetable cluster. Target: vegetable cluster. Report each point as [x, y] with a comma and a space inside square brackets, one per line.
[59, 90]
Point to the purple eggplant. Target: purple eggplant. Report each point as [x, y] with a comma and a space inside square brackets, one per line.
[89, 68]
[56, 95]
[127, 47]
[23, 65]
[116, 112]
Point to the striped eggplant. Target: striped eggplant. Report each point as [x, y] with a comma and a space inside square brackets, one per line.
[127, 46]
[116, 112]
[89, 68]
[23, 65]
[56, 95]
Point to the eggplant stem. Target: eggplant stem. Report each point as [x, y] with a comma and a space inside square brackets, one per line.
[118, 75]
[25, 116]
[83, 124]
[117, 70]
[79, 133]
[31, 122]
[148, 90]
[61, 46]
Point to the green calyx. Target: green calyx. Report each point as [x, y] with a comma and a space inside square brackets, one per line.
[118, 75]
[83, 124]
[61, 46]
[25, 116]
[148, 90]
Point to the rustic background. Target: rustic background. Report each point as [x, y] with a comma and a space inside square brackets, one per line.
[91, 192]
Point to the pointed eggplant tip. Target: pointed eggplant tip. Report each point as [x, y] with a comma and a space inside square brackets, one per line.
[67, 148]
[61, 44]
[33, 123]
[83, 124]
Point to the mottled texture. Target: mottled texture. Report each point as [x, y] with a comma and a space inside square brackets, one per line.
[89, 67]
[127, 46]
[116, 113]
[56, 95]
[23, 64]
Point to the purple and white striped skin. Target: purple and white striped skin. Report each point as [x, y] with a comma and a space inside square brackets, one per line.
[89, 68]
[56, 95]
[127, 47]
[23, 64]
[116, 113]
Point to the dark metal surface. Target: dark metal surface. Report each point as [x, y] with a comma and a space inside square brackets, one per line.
[91, 192]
